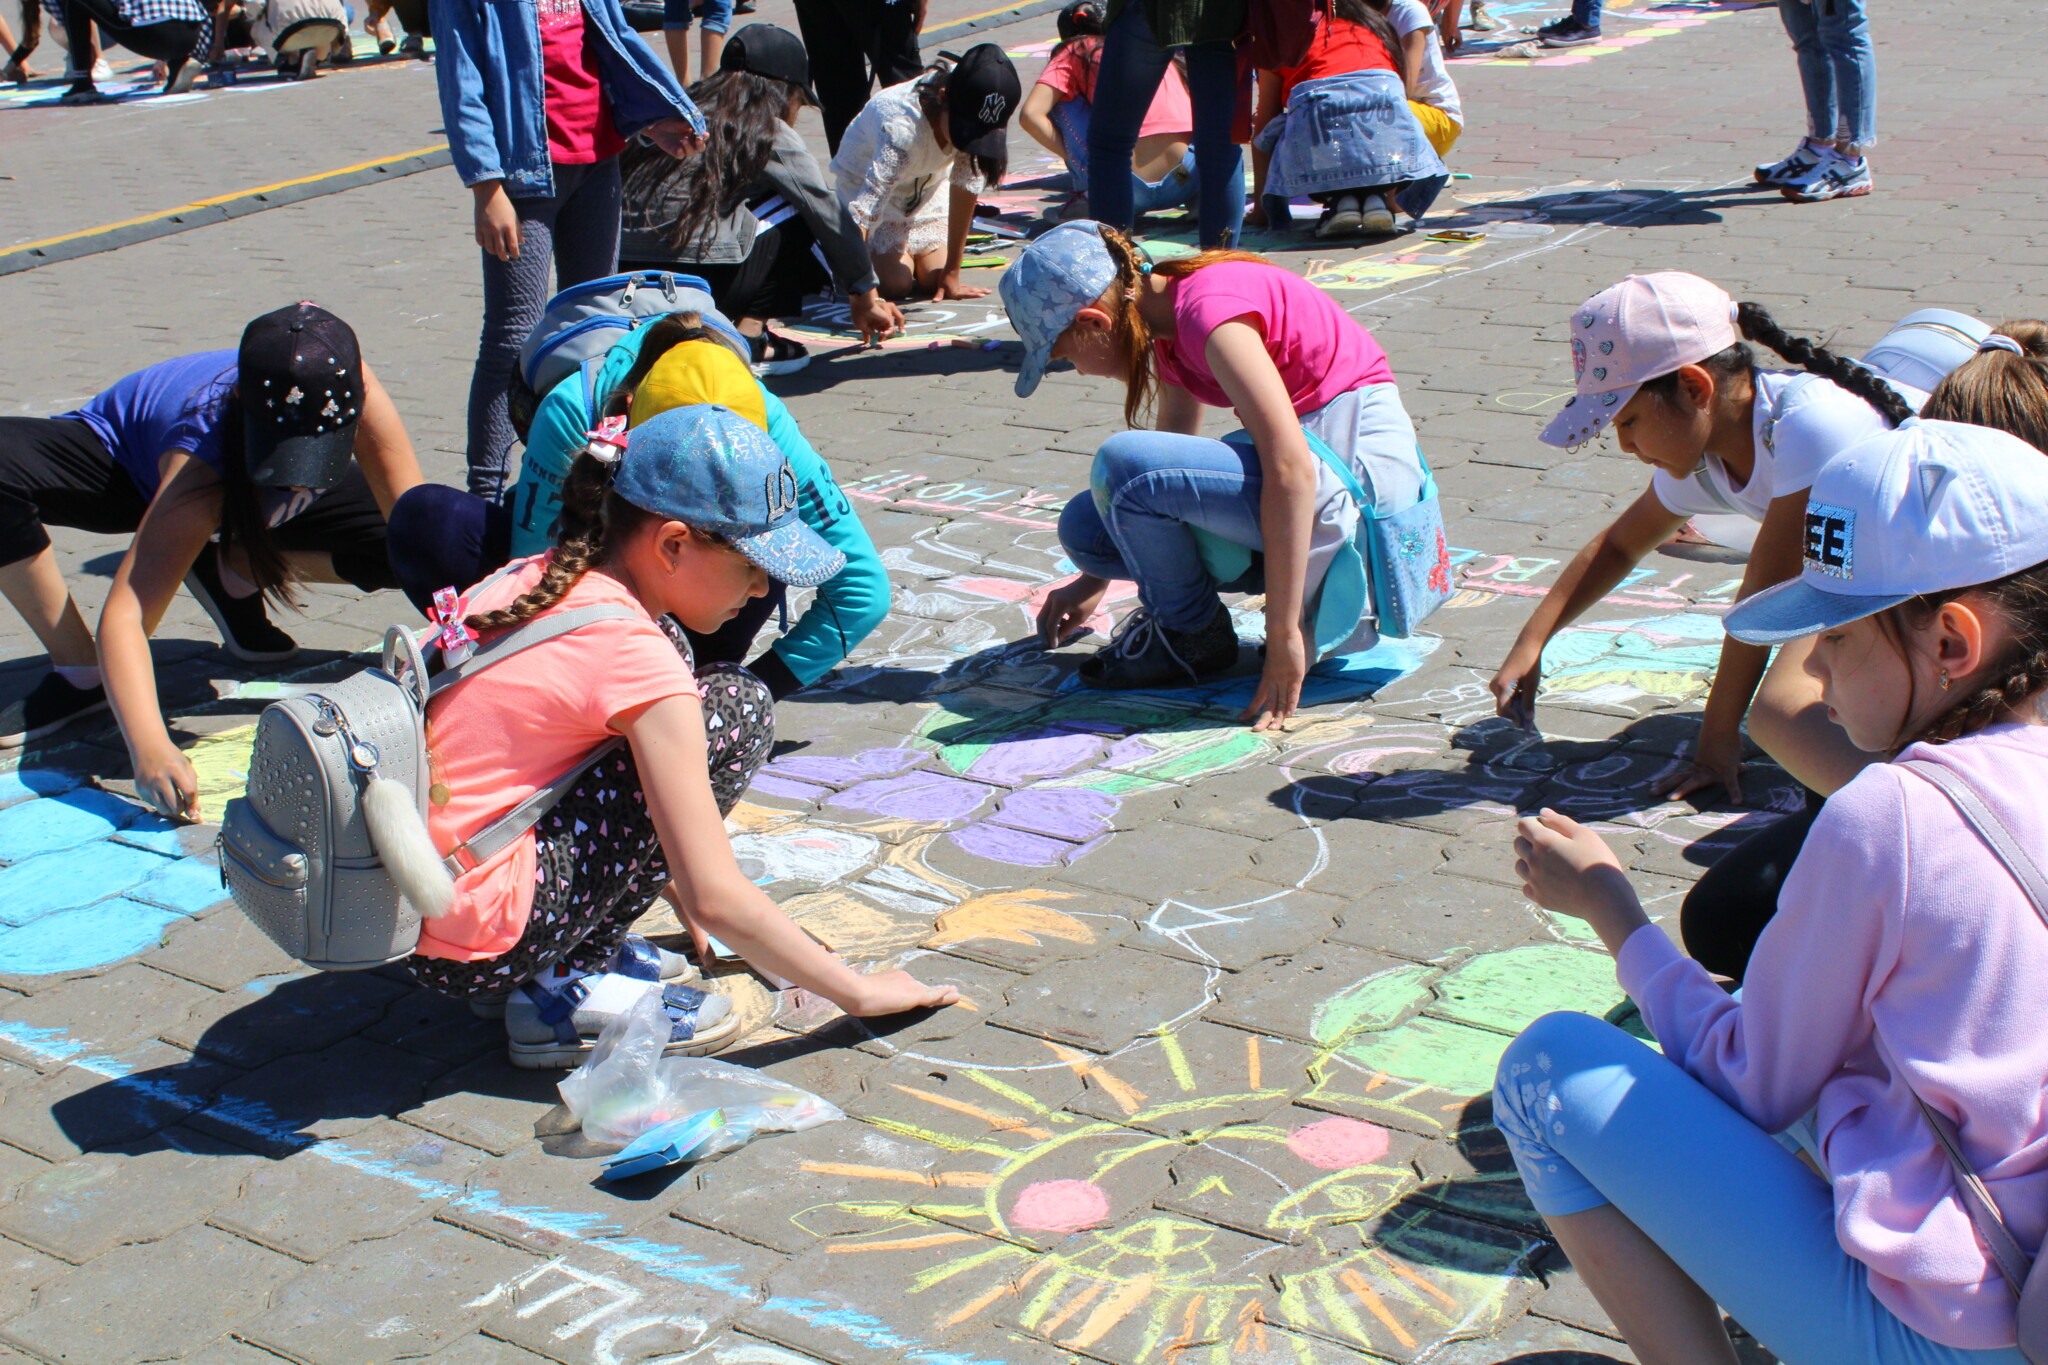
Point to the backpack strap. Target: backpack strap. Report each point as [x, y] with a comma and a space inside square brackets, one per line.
[590, 369]
[2013, 1262]
[526, 637]
[486, 843]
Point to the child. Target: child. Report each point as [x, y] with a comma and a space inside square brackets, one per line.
[675, 26]
[1659, 356]
[175, 453]
[1838, 73]
[1233, 330]
[442, 536]
[538, 101]
[751, 213]
[692, 520]
[176, 34]
[1057, 112]
[1338, 127]
[1577, 29]
[949, 126]
[1432, 94]
[1901, 985]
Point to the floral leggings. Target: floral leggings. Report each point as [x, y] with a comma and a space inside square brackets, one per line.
[600, 863]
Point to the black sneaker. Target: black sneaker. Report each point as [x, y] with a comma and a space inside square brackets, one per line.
[51, 705]
[1566, 32]
[244, 629]
[777, 354]
[1143, 653]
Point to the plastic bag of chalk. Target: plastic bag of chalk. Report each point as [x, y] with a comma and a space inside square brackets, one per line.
[626, 1088]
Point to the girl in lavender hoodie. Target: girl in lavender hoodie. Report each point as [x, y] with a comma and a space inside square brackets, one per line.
[1904, 961]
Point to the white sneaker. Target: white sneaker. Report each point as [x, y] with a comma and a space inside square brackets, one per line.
[1377, 220]
[1836, 177]
[1343, 219]
[1804, 158]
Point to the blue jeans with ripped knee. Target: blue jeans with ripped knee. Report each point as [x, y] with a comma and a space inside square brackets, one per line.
[1595, 1117]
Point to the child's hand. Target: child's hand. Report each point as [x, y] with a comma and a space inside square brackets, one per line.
[895, 992]
[951, 288]
[1280, 680]
[1567, 868]
[676, 137]
[873, 316]
[1515, 687]
[497, 221]
[1068, 609]
[167, 781]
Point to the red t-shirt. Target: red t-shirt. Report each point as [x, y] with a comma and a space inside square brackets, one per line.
[580, 129]
[1171, 112]
[1340, 47]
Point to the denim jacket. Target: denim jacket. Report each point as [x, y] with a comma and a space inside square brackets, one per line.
[487, 62]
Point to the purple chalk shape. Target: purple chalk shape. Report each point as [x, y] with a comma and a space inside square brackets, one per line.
[770, 785]
[1016, 762]
[1000, 844]
[71, 877]
[845, 772]
[1130, 750]
[24, 784]
[1069, 813]
[918, 796]
[65, 821]
[91, 936]
[188, 886]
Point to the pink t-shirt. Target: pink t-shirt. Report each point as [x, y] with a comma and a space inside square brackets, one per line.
[1901, 944]
[580, 129]
[1171, 113]
[498, 739]
[1320, 349]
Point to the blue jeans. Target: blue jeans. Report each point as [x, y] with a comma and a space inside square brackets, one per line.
[1586, 13]
[1178, 186]
[1153, 488]
[1594, 1117]
[1128, 75]
[1837, 67]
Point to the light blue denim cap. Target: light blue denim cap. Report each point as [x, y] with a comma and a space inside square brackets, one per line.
[1058, 275]
[711, 469]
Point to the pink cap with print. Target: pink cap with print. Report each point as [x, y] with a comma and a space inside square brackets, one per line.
[1638, 330]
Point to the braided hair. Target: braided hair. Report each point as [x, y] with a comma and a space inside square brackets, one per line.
[1757, 324]
[2020, 676]
[1996, 388]
[595, 521]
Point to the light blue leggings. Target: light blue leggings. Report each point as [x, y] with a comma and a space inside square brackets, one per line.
[1594, 1117]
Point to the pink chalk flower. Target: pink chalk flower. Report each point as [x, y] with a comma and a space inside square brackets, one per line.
[1338, 1144]
[1060, 1206]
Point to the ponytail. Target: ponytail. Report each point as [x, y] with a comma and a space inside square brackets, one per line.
[1996, 388]
[1758, 325]
[663, 336]
[1131, 335]
[594, 522]
[243, 527]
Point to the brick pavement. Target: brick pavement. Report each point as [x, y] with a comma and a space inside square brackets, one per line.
[1234, 999]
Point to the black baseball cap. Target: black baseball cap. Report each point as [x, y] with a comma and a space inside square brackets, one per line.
[982, 91]
[765, 50]
[300, 375]
[1080, 19]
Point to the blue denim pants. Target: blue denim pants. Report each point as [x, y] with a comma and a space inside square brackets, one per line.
[1837, 67]
[1595, 1117]
[1178, 186]
[1586, 12]
[1128, 75]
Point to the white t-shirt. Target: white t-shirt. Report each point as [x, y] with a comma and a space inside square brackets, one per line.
[1436, 89]
[891, 165]
[1801, 422]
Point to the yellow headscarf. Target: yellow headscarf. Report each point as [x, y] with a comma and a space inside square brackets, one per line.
[699, 372]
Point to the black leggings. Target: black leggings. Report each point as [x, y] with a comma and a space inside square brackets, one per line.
[57, 472]
[854, 44]
[779, 273]
[169, 40]
[599, 863]
[1726, 911]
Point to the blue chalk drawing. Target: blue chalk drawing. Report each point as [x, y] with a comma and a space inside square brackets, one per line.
[60, 822]
[92, 936]
[71, 878]
[158, 835]
[187, 886]
[26, 784]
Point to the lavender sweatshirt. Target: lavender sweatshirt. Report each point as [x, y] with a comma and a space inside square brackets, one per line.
[1901, 944]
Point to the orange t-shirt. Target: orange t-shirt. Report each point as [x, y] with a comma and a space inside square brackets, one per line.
[507, 733]
[1340, 47]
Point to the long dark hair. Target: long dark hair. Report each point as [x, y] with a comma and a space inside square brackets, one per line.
[741, 110]
[242, 524]
[1374, 21]
[1756, 323]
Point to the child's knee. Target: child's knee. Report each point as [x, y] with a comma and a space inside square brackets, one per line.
[1543, 1055]
[1121, 458]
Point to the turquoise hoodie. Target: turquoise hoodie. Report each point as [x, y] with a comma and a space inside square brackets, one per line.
[845, 609]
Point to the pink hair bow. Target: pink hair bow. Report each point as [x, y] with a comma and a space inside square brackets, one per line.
[608, 442]
[454, 636]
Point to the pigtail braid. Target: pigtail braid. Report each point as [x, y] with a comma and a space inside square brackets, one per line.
[1132, 336]
[1759, 326]
[2027, 677]
[579, 547]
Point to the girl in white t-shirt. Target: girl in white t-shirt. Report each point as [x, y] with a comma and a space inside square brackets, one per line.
[1660, 357]
[1431, 92]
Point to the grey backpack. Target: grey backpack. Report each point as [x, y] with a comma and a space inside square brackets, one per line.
[328, 852]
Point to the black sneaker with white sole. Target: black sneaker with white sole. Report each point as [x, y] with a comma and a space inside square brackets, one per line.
[1566, 32]
[244, 628]
[50, 705]
[777, 354]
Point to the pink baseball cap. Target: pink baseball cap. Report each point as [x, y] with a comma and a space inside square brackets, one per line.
[1632, 332]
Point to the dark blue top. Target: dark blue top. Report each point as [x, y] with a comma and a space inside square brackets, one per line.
[173, 405]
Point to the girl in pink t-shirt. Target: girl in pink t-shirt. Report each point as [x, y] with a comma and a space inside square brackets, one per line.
[1186, 516]
[685, 526]
[1056, 113]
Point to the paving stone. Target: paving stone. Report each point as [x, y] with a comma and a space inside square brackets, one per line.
[22, 1271]
[280, 1108]
[137, 1303]
[1129, 864]
[478, 1349]
[1532, 1339]
[983, 993]
[1293, 1175]
[1291, 998]
[63, 821]
[1068, 1002]
[1349, 856]
[269, 1018]
[651, 1300]
[1193, 1080]
[1058, 1194]
[987, 1090]
[368, 1186]
[403, 1296]
[1426, 917]
[841, 1180]
[437, 1026]
[102, 1014]
[90, 940]
[221, 949]
[1243, 803]
[1474, 1174]
[76, 1110]
[551, 1204]
[79, 1209]
[1025, 931]
[1237, 924]
[489, 1104]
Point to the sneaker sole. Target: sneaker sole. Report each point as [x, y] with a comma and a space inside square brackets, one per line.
[1567, 42]
[1343, 225]
[1377, 224]
[16, 741]
[1854, 192]
[768, 367]
[565, 1056]
[227, 637]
